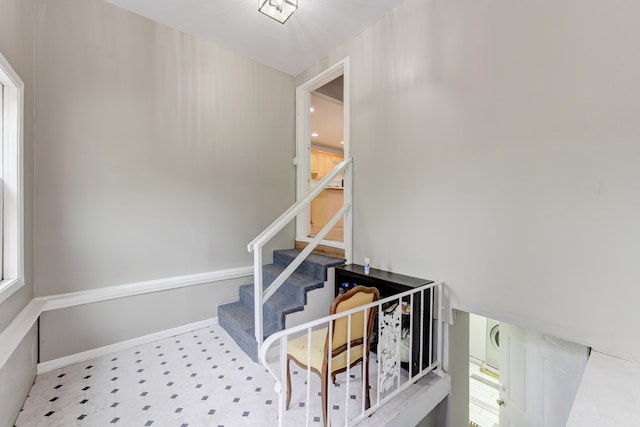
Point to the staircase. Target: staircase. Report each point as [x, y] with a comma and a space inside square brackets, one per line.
[237, 317]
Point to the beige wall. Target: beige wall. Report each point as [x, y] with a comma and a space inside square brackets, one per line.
[508, 137]
[158, 155]
[17, 46]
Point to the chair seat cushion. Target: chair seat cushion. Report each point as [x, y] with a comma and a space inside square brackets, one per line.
[297, 349]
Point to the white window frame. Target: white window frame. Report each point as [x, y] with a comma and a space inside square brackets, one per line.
[11, 140]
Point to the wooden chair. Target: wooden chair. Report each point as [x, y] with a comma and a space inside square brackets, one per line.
[297, 348]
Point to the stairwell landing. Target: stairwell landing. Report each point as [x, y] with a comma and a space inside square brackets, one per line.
[237, 318]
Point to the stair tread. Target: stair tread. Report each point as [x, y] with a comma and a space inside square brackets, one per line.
[323, 260]
[280, 301]
[296, 278]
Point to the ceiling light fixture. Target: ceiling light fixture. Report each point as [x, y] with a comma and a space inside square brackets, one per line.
[315, 134]
[280, 10]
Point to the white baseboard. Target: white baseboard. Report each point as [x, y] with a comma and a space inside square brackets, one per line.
[112, 348]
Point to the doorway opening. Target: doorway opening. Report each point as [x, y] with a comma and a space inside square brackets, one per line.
[322, 134]
[484, 371]
[520, 376]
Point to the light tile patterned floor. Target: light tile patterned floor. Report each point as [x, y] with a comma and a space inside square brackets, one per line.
[196, 379]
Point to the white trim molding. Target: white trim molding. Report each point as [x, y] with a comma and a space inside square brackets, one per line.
[72, 299]
[13, 335]
[12, 254]
[63, 362]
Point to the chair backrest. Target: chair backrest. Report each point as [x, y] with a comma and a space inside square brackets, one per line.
[356, 297]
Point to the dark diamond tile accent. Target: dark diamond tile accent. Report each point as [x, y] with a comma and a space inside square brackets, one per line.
[236, 400]
[115, 404]
[137, 352]
[148, 423]
[245, 414]
[193, 375]
[61, 375]
[89, 367]
[166, 372]
[140, 370]
[214, 367]
[82, 417]
[189, 365]
[336, 407]
[268, 402]
[353, 397]
[144, 393]
[170, 383]
[115, 420]
[316, 419]
[57, 387]
[301, 404]
[114, 359]
[173, 396]
[139, 360]
[205, 397]
[184, 425]
[86, 388]
[249, 378]
[211, 412]
[259, 389]
[87, 377]
[115, 390]
[146, 408]
[53, 399]
[178, 410]
[83, 401]
[142, 381]
[163, 363]
[234, 359]
[181, 348]
[199, 386]
[114, 379]
[185, 356]
[48, 414]
[241, 368]
[352, 376]
[228, 387]
[220, 377]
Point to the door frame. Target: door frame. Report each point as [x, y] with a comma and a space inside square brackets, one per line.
[303, 145]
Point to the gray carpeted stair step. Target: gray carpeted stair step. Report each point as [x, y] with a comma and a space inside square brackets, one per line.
[237, 317]
[315, 265]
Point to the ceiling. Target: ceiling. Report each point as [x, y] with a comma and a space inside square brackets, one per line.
[314, 30]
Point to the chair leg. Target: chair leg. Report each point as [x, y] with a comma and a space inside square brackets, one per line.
[365, 375]
[288, 383]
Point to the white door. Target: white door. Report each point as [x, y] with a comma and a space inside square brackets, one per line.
[539, 378]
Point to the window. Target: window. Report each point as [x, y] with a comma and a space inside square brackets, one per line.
[11, 227]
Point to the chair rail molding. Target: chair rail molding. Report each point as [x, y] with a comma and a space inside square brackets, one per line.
[12, 335]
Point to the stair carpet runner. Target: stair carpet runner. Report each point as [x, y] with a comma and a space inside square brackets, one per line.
[237, 318]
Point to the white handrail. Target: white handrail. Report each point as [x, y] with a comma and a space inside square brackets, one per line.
[297, 207]
[260, 295]
[283, 336]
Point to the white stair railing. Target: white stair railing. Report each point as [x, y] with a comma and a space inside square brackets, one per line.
[391, 379]
[256, 245]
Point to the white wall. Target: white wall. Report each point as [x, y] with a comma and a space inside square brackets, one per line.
[507, 136]
[158, 155]
[478, 337]
[17, 46]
